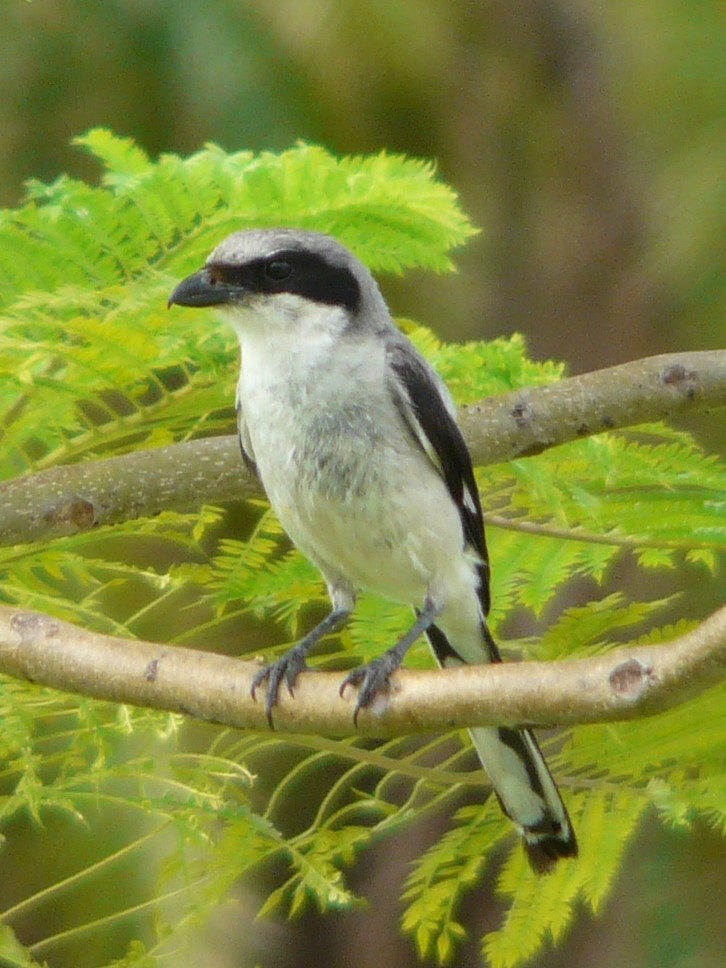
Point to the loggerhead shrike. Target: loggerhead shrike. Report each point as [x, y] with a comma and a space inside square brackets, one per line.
[355, 440]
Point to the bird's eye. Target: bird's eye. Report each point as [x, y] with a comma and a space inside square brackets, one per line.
[278, 270]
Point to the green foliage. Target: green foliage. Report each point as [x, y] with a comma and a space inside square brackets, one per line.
[91, 364]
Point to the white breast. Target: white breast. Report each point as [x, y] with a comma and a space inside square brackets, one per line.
[349, 484]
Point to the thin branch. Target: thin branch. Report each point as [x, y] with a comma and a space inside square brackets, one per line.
[526, 422]
[626, 683]
[66, 500]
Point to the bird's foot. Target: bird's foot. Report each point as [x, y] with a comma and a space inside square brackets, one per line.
[286, 669]
[372, 679]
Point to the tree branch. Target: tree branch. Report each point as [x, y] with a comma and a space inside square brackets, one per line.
[526, 422]
[66, 500]
[626, 683]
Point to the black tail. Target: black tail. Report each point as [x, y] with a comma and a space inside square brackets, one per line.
[519, 775]
[527, 793]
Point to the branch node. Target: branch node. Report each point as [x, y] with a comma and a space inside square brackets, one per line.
[679, 378]
[522, 414]
[71, 513]
[152, 670]
[32, 625]
[632, 679]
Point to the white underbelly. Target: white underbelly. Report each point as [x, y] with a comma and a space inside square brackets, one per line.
[401, 539]
[355, 492]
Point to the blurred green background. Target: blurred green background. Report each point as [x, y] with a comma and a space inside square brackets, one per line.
[588, 141]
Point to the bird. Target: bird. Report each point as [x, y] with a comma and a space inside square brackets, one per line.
[354, 438]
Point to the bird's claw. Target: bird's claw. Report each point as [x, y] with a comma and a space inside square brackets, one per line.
[371, 679]
[286, 669]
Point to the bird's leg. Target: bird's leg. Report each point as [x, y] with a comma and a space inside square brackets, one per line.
[289, 666]
[373, 677]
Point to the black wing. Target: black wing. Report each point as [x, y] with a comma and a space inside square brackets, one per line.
[424, 404]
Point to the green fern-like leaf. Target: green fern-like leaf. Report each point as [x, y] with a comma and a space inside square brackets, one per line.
[100, 262]
[441, 877]
[92, 364]
[542, 909]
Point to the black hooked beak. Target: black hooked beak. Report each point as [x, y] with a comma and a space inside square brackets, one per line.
[201, 289]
